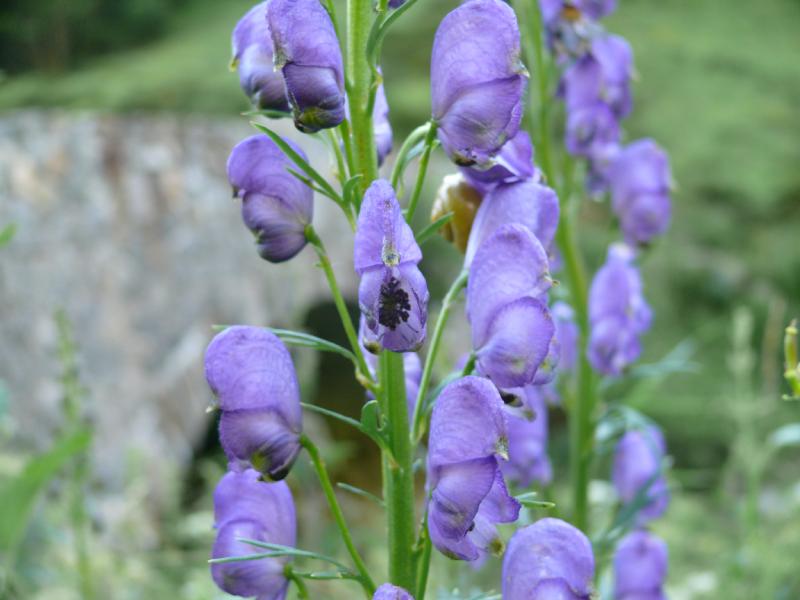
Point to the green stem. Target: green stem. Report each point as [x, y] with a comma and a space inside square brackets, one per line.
[338, 300]
[302, 590]
[338, 516]
[424, 559]
[430, 139]
[359, 82]
[412, 140]
[341, 168]
[399, 485]
[417, 430]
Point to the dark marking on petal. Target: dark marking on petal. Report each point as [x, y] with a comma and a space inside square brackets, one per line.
[394, 306]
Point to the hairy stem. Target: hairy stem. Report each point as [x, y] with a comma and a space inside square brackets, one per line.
[399, 485]
[338, 516]
[430, 140]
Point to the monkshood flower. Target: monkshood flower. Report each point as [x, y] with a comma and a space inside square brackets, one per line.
[601, 75]
[391, 592]
[526, 202]
[637, 469]
[640, 181]
[467, 493]
[411, 363]
[512, 329]
[514, 162]
[549, 560]
[590, 128]
[527, 441]
[569, 29]
[382, 128]
[477, 81]
[308, 54]
[253, 59]
[276, 206]
[618, 312]
[252, 375]
[393, 294]
[640, 567]
[566, 334]
[247, 508]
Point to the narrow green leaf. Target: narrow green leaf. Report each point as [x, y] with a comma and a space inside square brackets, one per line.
[379, 30]
[359, 492]
[270, 113]
[334, 415]
[306, 340]
[18, 496]
[350, 190]
[289, 551]
[246, 557]
[7, 234]
[433, 228]
[299, 161]
[325, 575]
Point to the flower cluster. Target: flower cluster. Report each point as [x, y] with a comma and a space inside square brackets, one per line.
[618, 312]
[595, 86]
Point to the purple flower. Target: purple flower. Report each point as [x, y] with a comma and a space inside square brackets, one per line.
[381, 126]
[467, 493]
[478, 81]
[276, 206]
[527, 441]
[640, 181]
[637, 469]
[308, 54]
[511, 326]
[393, 294]
[391, 592]
[513, 163]
[601, 75]
[549, 560]
[252, 57]
[253, 377]
[411, 363]
[640, 567]
[245, 507]
[618, 313]
[524, 202]
[597, 9]
[567, 335]
[590, 128]
[569, 30]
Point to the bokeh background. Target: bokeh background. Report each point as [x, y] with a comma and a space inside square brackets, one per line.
[116, 117]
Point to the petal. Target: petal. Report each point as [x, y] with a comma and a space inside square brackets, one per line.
[640, 564]
[646, 216]
[243, 496]
[513, 163]
[251, 577]
[526, 203]
[460, 488]
[388, 591]
[383, 238]
[548, 549]
[262, 438]
[381, 126]
[517, 342]
[467, 422]
[527, 443]
[508, 265]
[315, 95]
[257, 164]
[279, 227]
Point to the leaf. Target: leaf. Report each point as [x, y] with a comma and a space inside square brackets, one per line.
[18, 496]
[270, 113]
[334, 415]
[7, 234]
[379, 30]
[306, 340]
[281, 550]
[529, 500]
[300, 162]
[350, 189]
[433, 228]
[359, 492]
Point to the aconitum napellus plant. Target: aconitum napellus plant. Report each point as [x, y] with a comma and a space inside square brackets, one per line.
[541, 336]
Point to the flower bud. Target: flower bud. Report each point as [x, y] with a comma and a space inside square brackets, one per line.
[245, 507]
[391, 592]
[548, 560]
[276, 206]
[307, 52]
[252, 374]
[640, 567]
[527, 441]
[514, 162]
[511, 326]
[618, 313]
[640, 182]
[393, 294]
[253, 57]
[468, 496]
[478, 81]
[524, 202]
[637, 468]
[457, 196]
